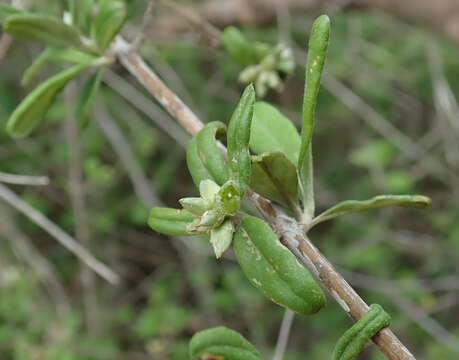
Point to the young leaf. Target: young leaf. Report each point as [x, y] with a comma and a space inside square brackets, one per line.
[204, 158]
[32, 109]
[238, 46]
[194, 205]
[221, 237]
[170, 221]
[273, 132]
[274, 176]
[238, 140]
[318, 44]
[109, 21]
[55, 55]
[274, 270]
[7, 10]
[42, 28]
[87, 95]
[377, 202]
[223, 344]
[354, 339]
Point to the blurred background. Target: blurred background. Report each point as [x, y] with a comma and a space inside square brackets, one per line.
[387, 123]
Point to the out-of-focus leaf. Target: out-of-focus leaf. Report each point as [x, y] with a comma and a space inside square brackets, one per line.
[32, 109]
[238, 46]
[87, 95]
[318, 44]
[44, 29]
[274, 176]
[238, 140]
[272, 132]
[55, 55]
[109, 21]
[223, 344]
[374, 154]
[204, 158]
[381, 201]
[7, 10]
[81, 13]
[170, 221]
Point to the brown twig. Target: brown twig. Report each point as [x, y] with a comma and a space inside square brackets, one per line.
[289, 230]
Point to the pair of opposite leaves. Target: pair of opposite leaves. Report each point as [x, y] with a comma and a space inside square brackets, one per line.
[66, 44]
[221, 343]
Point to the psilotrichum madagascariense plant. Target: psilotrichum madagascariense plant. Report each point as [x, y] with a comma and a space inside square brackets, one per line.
[268, 155]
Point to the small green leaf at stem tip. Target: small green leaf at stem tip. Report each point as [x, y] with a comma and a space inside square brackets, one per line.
[238, 140]
[377, 202]
[221, 237]
[44, 29]
[170, 221]
[109, 21]
[208, 190]
[221, 343]
[228, 200]
[353, 340]
[194, 205]
[272, 132]
[318, 44]
[32, 109]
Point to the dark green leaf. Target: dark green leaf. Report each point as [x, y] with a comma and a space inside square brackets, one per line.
[318, 44]
[170, 221]
[381, 201]
[274, 270]
[86, 98]
[223, 344]
[44, 29]
[204, 158]
[274, 176]
[273, 132]
[109, 21]
[31, 110]
[6, 11]
[238, 140]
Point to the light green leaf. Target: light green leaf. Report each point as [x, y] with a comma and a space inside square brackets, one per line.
[238, 46]
[377, 202]
[55, 55]
[223, 344]
[238, 140]
[109, 21]
[86, 99]
[170, 221]
[204, 158]
[318, 44]
[274, 176]
[221, 237]
[273, 132]
[194, 205]
[274, 270]
[81, 13]
[227, 199]
[31, 110]
[44, 29]
[7, 10]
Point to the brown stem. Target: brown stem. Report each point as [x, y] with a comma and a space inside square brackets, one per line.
[288, 229]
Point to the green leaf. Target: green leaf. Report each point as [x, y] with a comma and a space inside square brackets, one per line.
[221, 237]
[354, 339]
[7, 10]
[274, 176]
[318, 44]
[238, 46]
[170, 221]
[238, 140]
[194, 205]
[273, 132]
[81, 13]
[377, 202]
[55, 55]
[109, 21]
[86, 99]
[31, 110]
[223, 344]
[204, 158]
[44, 29]
[274, 270]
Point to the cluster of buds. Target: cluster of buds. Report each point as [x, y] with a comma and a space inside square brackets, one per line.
[213, 213]
[276, 63]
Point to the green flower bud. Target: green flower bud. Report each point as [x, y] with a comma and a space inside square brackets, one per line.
[228, 200]
[221, 237]
[196, 206]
